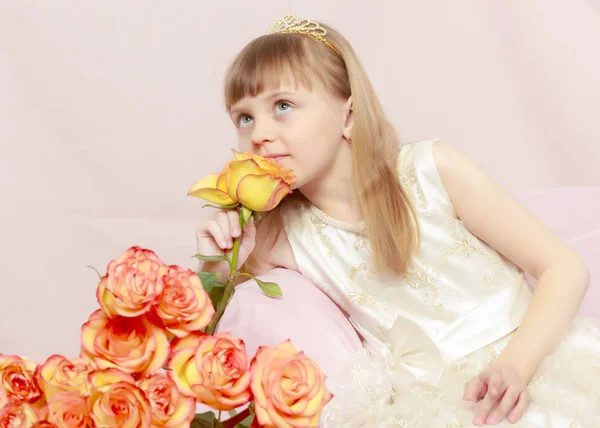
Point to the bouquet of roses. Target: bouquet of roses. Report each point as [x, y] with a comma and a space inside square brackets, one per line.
[150, 352]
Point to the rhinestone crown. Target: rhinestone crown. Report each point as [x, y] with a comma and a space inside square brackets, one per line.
[290, 23]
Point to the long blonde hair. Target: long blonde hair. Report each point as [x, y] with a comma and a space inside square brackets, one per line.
[389, 214]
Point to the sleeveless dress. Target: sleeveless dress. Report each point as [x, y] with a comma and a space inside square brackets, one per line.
[430, 331]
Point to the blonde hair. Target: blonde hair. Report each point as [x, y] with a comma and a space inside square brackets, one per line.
[389, 214]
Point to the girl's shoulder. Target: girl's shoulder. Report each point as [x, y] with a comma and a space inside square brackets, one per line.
[419, 174]
[420, 151]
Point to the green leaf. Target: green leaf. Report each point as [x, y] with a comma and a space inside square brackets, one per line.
[245, 213]
[256, 216]
[204, 258]
[216, 295]
[208, 280]
[269, 288]
[205, 420]
[232, 412]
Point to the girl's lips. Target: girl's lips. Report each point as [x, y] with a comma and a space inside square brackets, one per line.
[276, 157]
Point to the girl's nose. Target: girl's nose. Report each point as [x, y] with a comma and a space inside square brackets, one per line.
[262, 135]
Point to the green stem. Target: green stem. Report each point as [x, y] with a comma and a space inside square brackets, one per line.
[229, 286]
[245, 274]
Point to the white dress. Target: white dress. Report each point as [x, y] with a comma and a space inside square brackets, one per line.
[427, 333]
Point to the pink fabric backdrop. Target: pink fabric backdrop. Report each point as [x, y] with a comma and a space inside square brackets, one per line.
[110, 110]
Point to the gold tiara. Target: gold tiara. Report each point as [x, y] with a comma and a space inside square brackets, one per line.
[290, 23]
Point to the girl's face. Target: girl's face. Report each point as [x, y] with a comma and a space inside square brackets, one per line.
[303, 130]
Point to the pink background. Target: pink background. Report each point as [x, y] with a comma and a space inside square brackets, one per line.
[110, 110]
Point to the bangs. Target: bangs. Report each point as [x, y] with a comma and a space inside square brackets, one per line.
[269, 62]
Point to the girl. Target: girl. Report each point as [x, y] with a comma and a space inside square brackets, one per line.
[423, 252]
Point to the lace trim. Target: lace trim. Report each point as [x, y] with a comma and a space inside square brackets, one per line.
[355, 228]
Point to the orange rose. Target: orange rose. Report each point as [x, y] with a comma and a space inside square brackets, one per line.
[17, 414]
[170, 409]
[70, 410]
[214, 369]
[133, 283]
[59, 374]
[44, 424]
[134, 345]
[18, 379]
[116, 401]
[256, 182]
[289, 389]
[184, 306]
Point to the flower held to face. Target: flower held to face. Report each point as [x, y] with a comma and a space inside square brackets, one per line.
[289, 389]
[253, 181]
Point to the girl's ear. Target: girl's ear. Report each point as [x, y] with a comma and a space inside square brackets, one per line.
[348, 119]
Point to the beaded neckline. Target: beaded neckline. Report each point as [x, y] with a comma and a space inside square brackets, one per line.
[355, 228]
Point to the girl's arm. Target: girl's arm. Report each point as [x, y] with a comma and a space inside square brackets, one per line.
[496, 218]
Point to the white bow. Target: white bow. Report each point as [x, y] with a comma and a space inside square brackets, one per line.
[408, 352]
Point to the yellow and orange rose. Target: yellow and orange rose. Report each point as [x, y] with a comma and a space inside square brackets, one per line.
[184, 305]
[17, 379]
[133, 283]
[59, 374]
[116, 401]
[135, 345]
[170, 409]
[288, 388]
[214, 369]
[18, 414]
[253, 181]
[44, 424]
[69, 410]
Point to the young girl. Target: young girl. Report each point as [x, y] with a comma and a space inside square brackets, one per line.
[423, 252]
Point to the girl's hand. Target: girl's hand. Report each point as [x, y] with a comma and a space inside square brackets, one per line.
[215, 236]
[498, 392]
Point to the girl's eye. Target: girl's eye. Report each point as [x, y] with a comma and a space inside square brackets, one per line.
[283, 107]
[244, 120]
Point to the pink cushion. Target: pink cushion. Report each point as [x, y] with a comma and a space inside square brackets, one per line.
[304, 314]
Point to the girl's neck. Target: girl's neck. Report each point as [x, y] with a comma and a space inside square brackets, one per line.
[334, 193]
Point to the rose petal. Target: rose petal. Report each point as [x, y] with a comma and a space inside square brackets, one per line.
[207, 189]
[100, 379]
[178, 365]
[237, 171]
[215, 196]
[261, 192]
[208, 182]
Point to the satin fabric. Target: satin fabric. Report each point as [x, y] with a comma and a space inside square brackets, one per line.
[429, 330]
